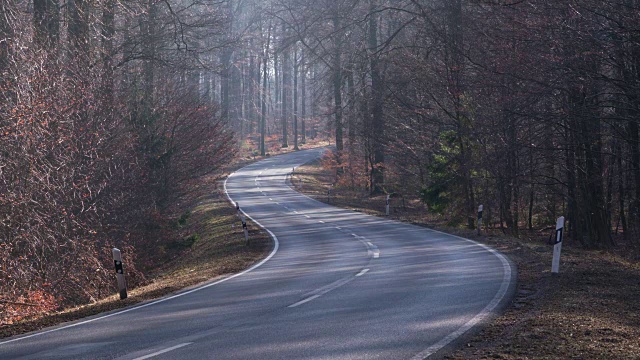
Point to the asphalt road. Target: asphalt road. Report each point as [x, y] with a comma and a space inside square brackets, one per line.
[338, 285]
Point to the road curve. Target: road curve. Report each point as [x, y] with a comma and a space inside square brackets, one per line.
[338, 285]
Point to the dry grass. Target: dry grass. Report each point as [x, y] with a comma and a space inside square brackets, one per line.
[590, 311]
[220, 250]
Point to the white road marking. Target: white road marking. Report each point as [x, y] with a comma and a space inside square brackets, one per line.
[370, 244]
[162, 351]
[305, 301]
[354, 235]
[276, 247]
[324, 290]
[321, 222]
[307, 216]
[482, 315]
[296, 212]
[364, 271]
[271, 199]
[338, 227]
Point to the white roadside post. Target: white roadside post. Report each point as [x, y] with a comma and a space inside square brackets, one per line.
[557, 248]
[244, 228]
[122, 285]
[387, 212]
[480, 209]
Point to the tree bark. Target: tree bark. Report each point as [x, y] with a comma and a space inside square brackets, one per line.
[296, 66]
[286, 88]
[265, 74]
[46, 21]
[377, 104]
[337, 90]
[303, 85]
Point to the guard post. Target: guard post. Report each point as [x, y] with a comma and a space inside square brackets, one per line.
[122, 285]
[244, 229]
[480, 210]
[557, 247]
[387, 209]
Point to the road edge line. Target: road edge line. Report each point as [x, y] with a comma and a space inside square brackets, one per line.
[276, 246]
[507, 289]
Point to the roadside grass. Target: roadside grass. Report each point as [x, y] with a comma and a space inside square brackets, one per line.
[591, 310]
[214, 248]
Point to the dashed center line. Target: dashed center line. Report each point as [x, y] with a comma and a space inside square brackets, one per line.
[307, 216]
[364, 271]
[321, 222]
[305, 301]
[163, 351]
[373, 250]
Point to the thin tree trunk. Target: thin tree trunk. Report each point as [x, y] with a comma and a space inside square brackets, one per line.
[265, 74]
[286, 89]
[295, 97]
[377, 107]
[337, 92]
[304, 97]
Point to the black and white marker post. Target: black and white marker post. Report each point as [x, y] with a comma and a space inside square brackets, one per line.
[122, 285]
[387, 209]
[480, 209]
[557, 248]
[237, 209]
[244, 228]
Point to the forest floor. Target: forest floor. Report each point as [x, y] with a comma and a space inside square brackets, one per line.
[218, 250]
[591, 310]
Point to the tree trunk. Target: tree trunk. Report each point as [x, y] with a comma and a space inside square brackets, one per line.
[337, 91]
[148, 32]
[295, 97]
[108, 32]
[46, 21]
[6, 32]
[265, 74]
[286, 89]
[304, 97]
[377, 104]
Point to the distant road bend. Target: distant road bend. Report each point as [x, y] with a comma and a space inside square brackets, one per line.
[338, 285]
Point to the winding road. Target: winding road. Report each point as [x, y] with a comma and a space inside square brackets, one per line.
[337, 285]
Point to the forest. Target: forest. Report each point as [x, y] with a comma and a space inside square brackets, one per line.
[112, 111]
